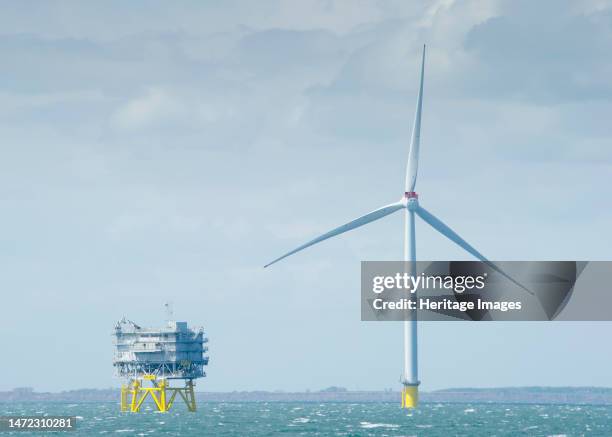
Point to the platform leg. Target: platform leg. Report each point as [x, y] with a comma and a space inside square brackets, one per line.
[124, 397]
[134, 405]
[162, 396]
[191, 405]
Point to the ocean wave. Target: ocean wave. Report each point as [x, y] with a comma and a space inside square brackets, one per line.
[368, 425]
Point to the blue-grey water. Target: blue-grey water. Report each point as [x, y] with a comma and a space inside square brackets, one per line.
[329, 419]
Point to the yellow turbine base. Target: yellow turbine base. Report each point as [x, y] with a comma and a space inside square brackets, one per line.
[163, 395]
[410, 396]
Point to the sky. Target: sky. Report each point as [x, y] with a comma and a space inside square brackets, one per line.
[165, 151]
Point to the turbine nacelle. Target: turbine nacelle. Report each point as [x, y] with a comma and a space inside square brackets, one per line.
[410, 200]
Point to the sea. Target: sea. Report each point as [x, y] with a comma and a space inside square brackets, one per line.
[326, 419]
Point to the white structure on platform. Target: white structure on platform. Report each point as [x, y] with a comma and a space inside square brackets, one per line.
[173, 351]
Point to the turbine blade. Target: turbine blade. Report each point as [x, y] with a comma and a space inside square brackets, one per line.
[370, 217]
[413, 156]
[439, 226]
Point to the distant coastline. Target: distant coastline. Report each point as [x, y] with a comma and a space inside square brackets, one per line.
[519, 395]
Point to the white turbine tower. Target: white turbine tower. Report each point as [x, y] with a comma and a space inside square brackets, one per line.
[410, 204]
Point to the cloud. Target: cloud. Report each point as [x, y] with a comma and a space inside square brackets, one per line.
[557, 59]
[154, 107]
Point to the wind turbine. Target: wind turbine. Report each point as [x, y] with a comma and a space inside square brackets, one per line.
[410, 204]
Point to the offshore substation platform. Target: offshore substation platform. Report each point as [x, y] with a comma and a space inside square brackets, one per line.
[159, 363]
